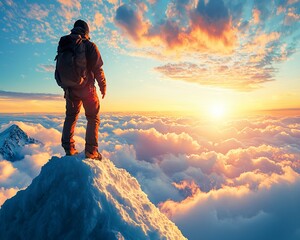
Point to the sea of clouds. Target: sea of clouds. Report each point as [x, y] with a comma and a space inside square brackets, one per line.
[237, 178]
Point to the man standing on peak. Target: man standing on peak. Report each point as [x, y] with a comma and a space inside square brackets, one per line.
[78, 64]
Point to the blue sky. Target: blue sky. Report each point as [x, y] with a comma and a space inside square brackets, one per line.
[161, 55]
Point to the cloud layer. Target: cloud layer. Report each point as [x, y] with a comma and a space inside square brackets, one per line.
[220, 43]
[206, 27]
[239, 178]
[30, 96]
[215, 43]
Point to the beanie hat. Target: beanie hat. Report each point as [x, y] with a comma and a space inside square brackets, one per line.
[82, 24]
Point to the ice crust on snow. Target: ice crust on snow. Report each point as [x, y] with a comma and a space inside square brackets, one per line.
[77, 198]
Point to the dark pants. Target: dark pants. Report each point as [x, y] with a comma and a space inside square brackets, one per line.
[74, 99]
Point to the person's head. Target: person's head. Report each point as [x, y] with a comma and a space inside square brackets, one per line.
[83, 26]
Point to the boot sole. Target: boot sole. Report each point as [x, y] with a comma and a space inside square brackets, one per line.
[71, 154]
[94, 158]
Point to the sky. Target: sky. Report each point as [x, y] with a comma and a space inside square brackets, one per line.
[197, 56]
[239, 178]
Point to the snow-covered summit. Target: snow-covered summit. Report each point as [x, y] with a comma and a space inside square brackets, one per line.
[77, 198]
[11, 141]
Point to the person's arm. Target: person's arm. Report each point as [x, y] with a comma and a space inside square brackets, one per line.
[96, 67]
[100, 77]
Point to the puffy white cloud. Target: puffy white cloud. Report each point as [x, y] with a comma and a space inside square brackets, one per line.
[230, 180]
[228, 144]
[6, 193]
[6, 170]
[252, 163]
[240, 213]
[150, 143]
[39, 132]
[19, 174]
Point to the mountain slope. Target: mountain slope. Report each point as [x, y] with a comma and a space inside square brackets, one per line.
[11, 141]
[74, 198]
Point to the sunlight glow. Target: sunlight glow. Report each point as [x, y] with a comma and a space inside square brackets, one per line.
[217, 110]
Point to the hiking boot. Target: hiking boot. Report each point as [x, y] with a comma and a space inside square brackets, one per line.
[94, 155]
[71, 152]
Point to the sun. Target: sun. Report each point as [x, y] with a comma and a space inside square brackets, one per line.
[217, 110]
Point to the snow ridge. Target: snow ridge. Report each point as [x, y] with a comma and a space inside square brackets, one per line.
[11, 141]
[77, 198]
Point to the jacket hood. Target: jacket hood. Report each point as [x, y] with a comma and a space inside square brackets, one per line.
[80, 31]
[82, 28]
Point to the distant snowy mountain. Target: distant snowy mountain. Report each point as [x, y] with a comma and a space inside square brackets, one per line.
[77, 198]
[12, 140]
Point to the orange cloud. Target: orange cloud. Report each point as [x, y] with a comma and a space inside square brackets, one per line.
[16, 102]
[291, 17]
[256, 16]
[131, 22]
[6, 170]
[37, 12]
[230, 75]
[69, 9]
[201, 34]
[6, 193]
[98, 19]
[70, 3]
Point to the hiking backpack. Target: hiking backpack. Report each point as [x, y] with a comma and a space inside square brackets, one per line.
[70, 71]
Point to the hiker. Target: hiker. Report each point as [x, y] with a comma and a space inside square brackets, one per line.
[78, 64]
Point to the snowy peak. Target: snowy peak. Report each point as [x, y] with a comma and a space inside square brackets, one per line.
[11, 141]
[76, 198]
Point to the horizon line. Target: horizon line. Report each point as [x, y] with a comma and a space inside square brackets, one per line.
[157, 111]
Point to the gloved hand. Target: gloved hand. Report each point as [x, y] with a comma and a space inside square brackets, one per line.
[103, 91]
